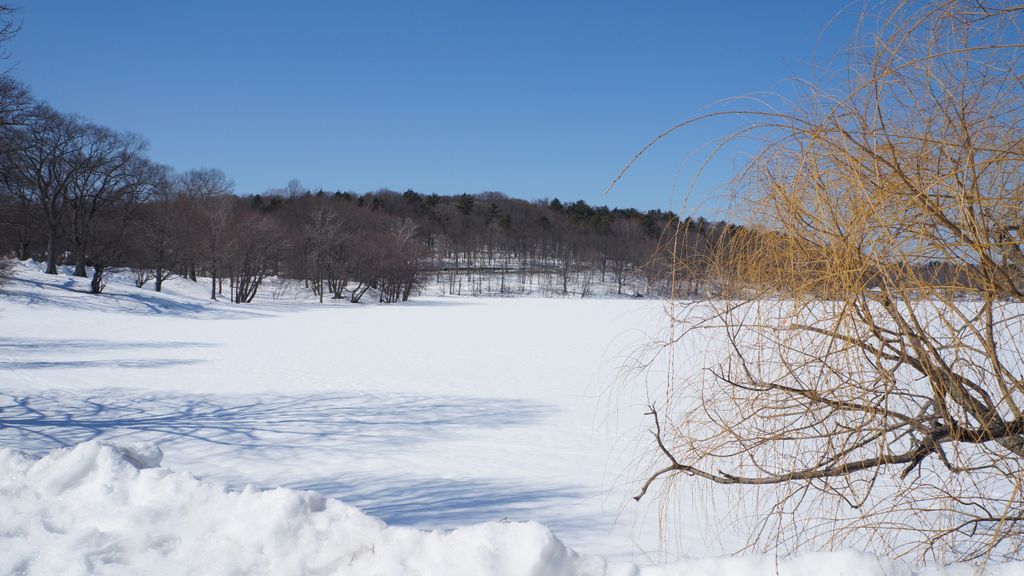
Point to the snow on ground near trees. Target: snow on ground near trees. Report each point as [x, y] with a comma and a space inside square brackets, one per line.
[483, 432]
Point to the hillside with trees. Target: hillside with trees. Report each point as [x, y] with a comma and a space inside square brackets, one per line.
[73, 192]
[76, 193]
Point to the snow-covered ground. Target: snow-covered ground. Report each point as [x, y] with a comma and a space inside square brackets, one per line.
[492, 436]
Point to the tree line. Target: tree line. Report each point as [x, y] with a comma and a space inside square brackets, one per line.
[75, 192]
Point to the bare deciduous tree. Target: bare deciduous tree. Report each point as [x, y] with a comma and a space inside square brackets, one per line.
[853, 394]
[38, 167]
[15, 101]
[208, 190]
[161, 235]
[252, 253]
[324, 237]
[109, 229]
[109, 172]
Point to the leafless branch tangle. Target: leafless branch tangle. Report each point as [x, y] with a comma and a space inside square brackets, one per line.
[867, 389]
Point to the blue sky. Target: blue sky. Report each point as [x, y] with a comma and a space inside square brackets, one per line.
[533, 99]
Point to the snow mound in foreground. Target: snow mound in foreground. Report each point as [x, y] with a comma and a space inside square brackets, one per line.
[98, 508]
[103, 509]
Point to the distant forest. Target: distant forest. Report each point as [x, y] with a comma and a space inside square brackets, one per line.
[76, 193]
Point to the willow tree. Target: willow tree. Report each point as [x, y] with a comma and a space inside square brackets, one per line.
[863, 385]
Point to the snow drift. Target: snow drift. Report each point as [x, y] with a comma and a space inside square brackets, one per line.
[99, 508]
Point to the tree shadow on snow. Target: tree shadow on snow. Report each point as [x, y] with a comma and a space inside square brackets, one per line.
[148, 303]
[264, 425]
[130, 363]
[253, 429]
[73, 348]
[50, 344]
[435, 302]
[426, 502]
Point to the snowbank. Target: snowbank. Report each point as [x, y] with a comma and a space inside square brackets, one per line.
[103, 509]
[98, 508]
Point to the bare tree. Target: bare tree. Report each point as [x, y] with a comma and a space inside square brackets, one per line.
[108, 172]
[255, 248]
[160, 235]
[209, 190]
[109, 228]
[8, 26]
[20, 221]
[15, 101]
[851, 394]
[38, 167]
[399, 263]
[324, 238]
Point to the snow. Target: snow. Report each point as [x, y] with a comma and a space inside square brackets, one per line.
[439, 436]
[98, 508]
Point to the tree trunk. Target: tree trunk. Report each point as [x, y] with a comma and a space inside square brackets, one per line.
[51, 250]
[358, 292]
[80, 264]
[97, 283]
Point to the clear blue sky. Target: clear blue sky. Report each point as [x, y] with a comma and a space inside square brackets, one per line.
[531, 98]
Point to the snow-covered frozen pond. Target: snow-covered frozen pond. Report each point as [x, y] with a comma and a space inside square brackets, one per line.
[436, 413]
[471, 418]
